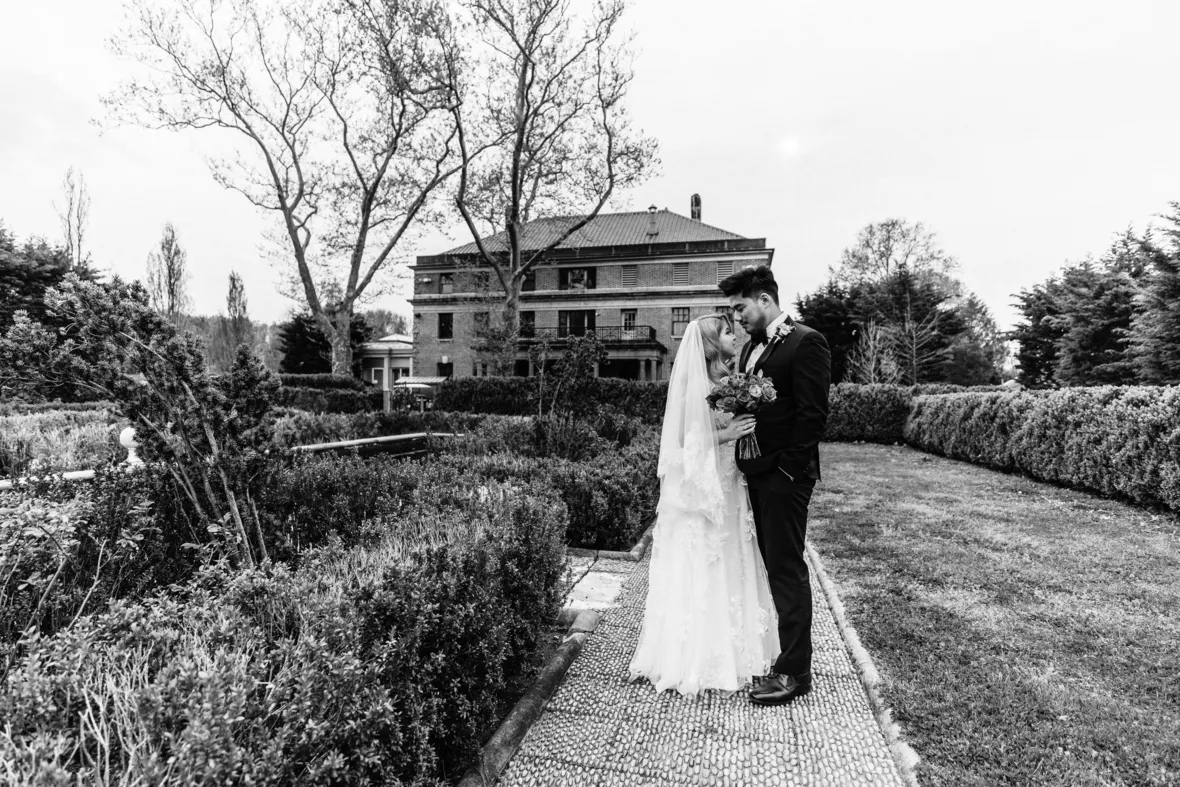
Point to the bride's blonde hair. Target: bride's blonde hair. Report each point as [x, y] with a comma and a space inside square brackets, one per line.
[716, 361]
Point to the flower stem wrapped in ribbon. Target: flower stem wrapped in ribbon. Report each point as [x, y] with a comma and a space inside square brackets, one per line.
[742, 394]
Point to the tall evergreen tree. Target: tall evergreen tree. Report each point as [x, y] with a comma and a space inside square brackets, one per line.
[1038, 334]
[306, 350]
[1155, 331]
[829, 310]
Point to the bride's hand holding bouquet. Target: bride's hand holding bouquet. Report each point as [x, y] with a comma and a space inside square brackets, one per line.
[743, 395]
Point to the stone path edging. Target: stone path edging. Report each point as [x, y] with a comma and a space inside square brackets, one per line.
[635, 554]
[496, 753]
[905, 756]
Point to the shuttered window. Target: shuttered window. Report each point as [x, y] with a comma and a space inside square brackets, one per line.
[630, 275]
[679, 274]
[724, 269]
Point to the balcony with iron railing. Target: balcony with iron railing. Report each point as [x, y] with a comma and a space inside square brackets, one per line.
[610, 335]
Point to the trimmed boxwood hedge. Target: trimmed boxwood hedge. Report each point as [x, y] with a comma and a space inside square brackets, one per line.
[342, 381]
[330, 400]
[518, 396]
[1114, 440]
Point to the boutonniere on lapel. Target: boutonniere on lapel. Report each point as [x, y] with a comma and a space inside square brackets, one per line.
[783, 330]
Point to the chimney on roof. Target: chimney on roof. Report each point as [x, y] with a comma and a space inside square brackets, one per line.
[694, 206]
[652, 230]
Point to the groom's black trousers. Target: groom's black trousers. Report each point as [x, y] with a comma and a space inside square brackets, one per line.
[780, 517]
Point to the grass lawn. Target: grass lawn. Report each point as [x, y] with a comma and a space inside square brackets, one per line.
[1026, 634]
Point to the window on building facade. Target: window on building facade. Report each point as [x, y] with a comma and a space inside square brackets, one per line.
[679, 274]
[446, 370]
[528, 325]
[574, 323]
[529, 282]
[679, 320]
[446, 283]
[724, 269]
[630, 275]
[446, 326]
[575, 279]
[629, 318]
[482, 281]
[377, 376]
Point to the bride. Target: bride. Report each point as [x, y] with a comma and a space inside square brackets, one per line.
[709, 620]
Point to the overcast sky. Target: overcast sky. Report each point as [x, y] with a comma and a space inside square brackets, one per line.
[1024, 133]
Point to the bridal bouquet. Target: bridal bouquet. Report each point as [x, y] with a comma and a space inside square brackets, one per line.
[742, 394]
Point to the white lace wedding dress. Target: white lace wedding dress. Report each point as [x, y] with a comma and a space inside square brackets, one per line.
[709, 620]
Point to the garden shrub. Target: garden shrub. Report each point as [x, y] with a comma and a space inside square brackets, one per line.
[358, 668]
[1113, 440]
[67, 549]
[610, 497]
[330, 381]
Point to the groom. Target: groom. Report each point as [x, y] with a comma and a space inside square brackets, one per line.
[796, 359]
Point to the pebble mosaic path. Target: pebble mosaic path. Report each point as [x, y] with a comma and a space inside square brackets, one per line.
[598, 730]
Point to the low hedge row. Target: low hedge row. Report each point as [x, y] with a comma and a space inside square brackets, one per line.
[330, 400]
[518, 396]
[299, 427]
[1114, 440]
[383, 665]
[338, 381]
[878, 413]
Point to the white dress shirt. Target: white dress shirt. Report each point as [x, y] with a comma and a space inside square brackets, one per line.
[752, 361]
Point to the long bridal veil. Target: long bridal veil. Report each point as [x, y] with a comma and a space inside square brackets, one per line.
[706, 620]
[689, 466]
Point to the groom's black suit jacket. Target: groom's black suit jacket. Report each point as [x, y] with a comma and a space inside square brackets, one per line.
[789, 430]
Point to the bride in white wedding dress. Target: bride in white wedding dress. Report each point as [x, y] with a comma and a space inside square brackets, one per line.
[709, 621]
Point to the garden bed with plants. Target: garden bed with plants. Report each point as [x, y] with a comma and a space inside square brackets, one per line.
[235, 612]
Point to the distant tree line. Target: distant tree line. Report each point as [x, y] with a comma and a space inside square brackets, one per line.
[1111, 320]
[893, 312]
[29, 269]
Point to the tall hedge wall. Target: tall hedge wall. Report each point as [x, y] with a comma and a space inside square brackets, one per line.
[1115, 440]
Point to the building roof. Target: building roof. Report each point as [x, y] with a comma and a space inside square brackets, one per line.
[607, 229]
[392, 341]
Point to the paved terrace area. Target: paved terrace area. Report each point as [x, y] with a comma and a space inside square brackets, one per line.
[598, 730]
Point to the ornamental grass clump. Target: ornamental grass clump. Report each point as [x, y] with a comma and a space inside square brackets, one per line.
[55, 441]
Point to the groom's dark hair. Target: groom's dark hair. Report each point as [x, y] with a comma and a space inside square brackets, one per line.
[750, 282]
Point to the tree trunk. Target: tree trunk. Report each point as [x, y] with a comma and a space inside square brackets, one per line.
[337, 326]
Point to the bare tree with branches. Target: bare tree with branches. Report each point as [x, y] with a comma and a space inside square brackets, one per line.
[890, 247]
[340, 119]
[918, 346]
[872, 359]
[543, 131]
[75, 217]
[167, 278]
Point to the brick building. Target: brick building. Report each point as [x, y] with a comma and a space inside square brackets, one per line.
[635, 279]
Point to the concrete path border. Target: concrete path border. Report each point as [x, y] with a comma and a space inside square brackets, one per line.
[905, 756]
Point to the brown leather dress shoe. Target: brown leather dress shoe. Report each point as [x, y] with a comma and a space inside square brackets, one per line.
[781, 689]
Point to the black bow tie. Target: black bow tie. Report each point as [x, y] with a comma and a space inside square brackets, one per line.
[758, 337]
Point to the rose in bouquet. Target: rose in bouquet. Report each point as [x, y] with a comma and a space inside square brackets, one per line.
[742, 394]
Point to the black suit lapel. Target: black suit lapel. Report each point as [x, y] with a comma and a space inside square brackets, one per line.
[788, 344]
[747, 348]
